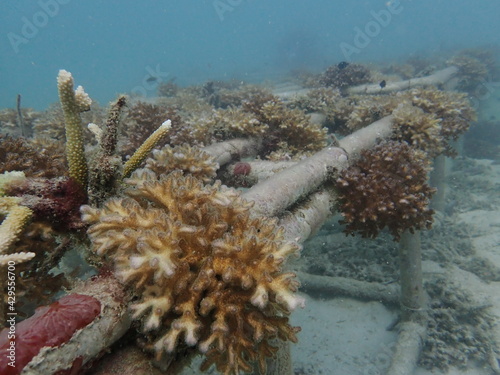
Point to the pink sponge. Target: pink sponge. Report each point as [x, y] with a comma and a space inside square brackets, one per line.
[50, 326]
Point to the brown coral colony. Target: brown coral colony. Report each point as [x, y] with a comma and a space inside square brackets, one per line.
[205, 272]
[386, 188]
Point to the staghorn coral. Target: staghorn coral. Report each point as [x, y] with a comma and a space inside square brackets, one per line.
[105, 164]
[50, 123]
[73, 103]
[425, 118]
[386, 188]
[142, 152]
[233, 95]
[282, 129]
[323, 100]
[453, 108]
[205, 272]
[188, 101]
[220, 94]
[185, 158]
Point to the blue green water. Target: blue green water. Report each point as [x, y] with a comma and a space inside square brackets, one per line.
[115, 46]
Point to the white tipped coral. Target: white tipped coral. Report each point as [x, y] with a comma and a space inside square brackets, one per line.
[73, 103]
[201, 267]
[16, 218]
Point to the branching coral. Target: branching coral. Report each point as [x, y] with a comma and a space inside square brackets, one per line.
[15, 219]
[50, 123]
[73, 103]
[105, 167]
[233, 122]
[316, 100]
[342, 76]
[203, 269]
[242, 93]
[185, 158]
[36, 158]
[142, 152]
[419, 129]
[288, 129]
[386, 188]
[471, 70]
[358, 111]
[453, 110]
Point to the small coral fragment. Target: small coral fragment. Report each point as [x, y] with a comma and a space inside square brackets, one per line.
[16, 218]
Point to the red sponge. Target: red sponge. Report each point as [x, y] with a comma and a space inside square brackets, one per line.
[50, 326]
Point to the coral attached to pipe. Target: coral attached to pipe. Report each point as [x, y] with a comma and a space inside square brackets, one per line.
[386, 188]
[206, 272]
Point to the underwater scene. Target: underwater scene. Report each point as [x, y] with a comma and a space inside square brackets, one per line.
[250, 187]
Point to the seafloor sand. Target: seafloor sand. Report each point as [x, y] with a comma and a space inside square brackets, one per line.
[349, 337]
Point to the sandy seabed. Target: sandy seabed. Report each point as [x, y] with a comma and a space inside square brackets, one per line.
[349, 337]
